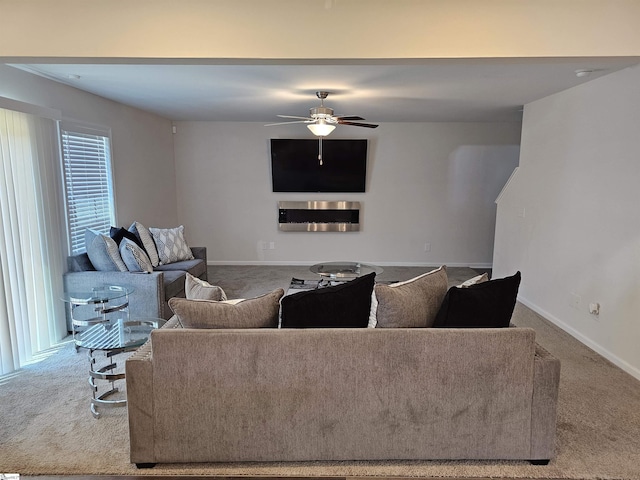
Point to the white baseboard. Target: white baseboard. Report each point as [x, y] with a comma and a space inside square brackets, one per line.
[382, 264]
[630, 369]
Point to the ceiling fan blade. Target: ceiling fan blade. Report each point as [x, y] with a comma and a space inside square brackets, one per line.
[286, 123]
[296, 117]
[349, 117]
[358, 124]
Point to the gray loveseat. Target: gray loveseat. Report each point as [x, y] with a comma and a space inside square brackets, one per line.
[151, 290]
[215, 395]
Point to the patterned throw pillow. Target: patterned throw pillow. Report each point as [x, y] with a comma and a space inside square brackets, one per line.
[145, 237]
[171, 245]
[134, 257]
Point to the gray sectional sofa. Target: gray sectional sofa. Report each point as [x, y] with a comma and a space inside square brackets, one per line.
[229, 395]
[151, 291]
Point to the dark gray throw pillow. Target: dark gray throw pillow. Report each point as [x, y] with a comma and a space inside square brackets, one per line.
[340, 306]
[488, 304]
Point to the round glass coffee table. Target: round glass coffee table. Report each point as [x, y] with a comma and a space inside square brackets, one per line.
[344, 270]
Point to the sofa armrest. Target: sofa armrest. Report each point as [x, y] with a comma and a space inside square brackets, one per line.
[147, 299]
[200, 252]
[546, 381]
[139, 381]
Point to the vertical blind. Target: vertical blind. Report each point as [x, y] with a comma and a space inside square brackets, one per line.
[31, 237]
[88, 186]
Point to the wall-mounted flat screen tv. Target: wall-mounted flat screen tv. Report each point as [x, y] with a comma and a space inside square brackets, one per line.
[295, 166]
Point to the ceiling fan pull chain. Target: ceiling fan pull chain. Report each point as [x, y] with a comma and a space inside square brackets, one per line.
[320, 150]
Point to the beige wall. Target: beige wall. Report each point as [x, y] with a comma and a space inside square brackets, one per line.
[317, 29]
[142, 144]
[569, 218]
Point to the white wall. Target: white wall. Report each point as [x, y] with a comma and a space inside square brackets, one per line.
[142, 144]
[579, 239]
[427, 183]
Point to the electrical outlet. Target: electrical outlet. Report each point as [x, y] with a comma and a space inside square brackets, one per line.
[427, 247]
[272, 245]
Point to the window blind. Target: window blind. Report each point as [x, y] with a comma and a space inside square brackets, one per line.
[88, 185]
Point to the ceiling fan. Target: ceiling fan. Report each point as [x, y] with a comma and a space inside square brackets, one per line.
[321, 120]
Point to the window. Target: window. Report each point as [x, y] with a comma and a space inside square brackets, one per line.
[86, 157]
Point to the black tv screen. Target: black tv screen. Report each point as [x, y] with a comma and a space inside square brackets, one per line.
[295, 166]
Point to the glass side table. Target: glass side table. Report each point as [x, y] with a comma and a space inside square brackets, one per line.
[102, 325]
[95, 306]
[112, 338]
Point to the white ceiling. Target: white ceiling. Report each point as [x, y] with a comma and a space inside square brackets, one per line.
[414, 91]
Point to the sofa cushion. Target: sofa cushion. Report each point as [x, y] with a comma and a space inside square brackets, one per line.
[134, 257]
[346, 305]
[174, 283]
[488, 304]
[197, 289]
[103, 252]
[142, 232]
[195, 267]
[413, 303]
[171, 245]
[259, 312]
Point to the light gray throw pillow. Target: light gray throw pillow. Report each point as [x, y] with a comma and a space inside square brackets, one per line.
[103, 252]
[197, 289]
[413, 303]
[259, 312]
[474, 281]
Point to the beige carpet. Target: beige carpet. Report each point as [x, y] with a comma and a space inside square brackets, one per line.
[46, 427]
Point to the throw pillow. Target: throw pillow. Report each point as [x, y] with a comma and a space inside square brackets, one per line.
[171, 245]
[474, 281]
[103, 252]
[346, 305]
[118, 234]
[413, 303]
[488, 304]
[146, 239]
[197, 289]
[259, 312]
[135, 257]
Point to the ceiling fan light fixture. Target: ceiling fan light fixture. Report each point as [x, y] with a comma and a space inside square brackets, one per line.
[321, 129]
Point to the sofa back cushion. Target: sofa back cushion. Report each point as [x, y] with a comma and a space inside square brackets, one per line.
[259, 312]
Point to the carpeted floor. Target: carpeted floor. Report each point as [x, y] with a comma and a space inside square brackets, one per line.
[46, 427]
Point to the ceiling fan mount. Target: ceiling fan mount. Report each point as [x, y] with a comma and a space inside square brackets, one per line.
[321, 120]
